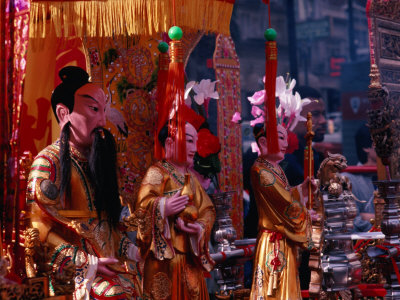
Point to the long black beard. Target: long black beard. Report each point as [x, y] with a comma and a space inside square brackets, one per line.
[103, 174]
[65, 163]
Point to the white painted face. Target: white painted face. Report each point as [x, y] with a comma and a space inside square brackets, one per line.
[191, 145]
[282, 143]
[87, 115]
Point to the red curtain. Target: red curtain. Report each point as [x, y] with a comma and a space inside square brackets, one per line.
[14, 22]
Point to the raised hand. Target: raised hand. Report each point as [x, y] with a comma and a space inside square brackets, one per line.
[102, 266]
[175, 204]
[304, 188]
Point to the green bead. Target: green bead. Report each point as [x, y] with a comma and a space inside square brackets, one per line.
[162, 47]
[270, 34]
[175, 33]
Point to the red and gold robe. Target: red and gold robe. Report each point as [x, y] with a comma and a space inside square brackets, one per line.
[174, 261]
[73, 231]
[283, 226]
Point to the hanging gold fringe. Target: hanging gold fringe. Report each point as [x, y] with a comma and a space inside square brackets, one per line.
[107, 18]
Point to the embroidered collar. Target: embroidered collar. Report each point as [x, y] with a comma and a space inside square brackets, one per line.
[74, 152]
[175, 174]
[277, 170]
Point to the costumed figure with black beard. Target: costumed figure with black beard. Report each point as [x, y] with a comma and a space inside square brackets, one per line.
[73, 196]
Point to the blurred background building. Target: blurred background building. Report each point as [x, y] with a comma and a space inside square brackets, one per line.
[321, 43]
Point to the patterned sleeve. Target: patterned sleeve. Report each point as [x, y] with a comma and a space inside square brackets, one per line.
[42, 198]
[151, 224]
[43, 181]
[206, 220]
[282, 204]
[85, 264]
[42, 191]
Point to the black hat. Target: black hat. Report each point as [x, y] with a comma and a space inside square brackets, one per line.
[72, 79]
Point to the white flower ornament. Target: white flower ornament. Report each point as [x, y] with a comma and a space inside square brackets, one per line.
[189, 87]
[289, 108]
[205, 90]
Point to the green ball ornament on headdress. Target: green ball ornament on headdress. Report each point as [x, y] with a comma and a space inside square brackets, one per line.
[162, 47]
[270, 34]
[175, 33]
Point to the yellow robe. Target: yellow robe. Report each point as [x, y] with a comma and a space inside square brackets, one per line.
[73, 231]
[174, 263]
[283, 225]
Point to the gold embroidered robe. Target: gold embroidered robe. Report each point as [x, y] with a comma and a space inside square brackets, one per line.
[174, 262]
[283, 226]
[73, 231]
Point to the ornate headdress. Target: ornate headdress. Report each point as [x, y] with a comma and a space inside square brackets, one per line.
[162, 78]
[288, 111]
[171, 107]
[290, 105]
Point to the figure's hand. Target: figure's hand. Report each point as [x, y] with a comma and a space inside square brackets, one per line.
[314, 215]
[102, 266]
[175, 204]
[138, 257]
[304, 187]
[134, 253]
[191, 228]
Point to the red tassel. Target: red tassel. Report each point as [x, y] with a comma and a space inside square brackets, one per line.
[162, 78]
[175, 100]
[271, 64]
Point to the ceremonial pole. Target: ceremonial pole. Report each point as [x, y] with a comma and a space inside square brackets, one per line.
[309, 158]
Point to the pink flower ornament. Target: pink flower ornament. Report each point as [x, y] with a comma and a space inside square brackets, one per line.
[236, 118]
[255, 148]
[256, 111]
[257, 121]
[257, 98]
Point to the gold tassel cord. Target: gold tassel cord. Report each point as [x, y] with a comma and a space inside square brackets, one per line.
[126, 17]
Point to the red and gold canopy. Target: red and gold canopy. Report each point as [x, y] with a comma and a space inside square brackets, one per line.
[108, 18]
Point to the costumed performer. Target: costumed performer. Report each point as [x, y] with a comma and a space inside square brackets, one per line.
[177, 219]
[362, 185]
[73, 196]
[284, 223]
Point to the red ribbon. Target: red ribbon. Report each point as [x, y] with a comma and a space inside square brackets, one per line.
[223, 255]
[387, 249]
[394, 264]
[276, 262]
[275, 237]
[362, 243]
[396, 269]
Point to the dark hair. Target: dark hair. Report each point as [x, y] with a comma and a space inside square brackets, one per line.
[204, 125]
[72, 78]
[163, 134]
[363, 140]
[307, 92]
[65, 162]
[258, 131]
